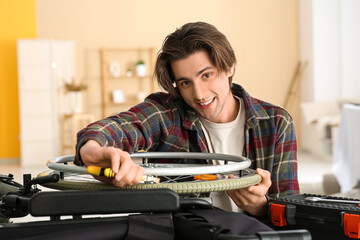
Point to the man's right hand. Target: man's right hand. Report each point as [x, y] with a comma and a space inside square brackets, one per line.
[125, 169]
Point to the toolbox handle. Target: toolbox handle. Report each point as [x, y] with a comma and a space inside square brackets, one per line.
[351, 225]
[299, 234]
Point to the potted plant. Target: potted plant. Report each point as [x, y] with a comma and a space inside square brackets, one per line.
[140, 68]
[129, 72]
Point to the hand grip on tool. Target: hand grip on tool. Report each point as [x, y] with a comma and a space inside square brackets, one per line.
[107, 172]
[99, 171]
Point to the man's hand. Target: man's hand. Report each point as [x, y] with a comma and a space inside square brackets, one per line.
[126, 171]
[253, 199]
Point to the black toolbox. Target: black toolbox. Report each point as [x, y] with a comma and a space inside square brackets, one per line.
[326, 217]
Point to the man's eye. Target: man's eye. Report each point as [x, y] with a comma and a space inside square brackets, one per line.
[207, 75]
[185, 83]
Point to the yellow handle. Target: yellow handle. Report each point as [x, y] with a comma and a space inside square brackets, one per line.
[99, 171]
[107, 172]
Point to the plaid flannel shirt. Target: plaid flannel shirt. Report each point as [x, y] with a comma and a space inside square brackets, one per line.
[164, 124]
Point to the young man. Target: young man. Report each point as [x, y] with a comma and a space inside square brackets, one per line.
[202, 111]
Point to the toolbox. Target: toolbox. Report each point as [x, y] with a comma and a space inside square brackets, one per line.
[326, 217]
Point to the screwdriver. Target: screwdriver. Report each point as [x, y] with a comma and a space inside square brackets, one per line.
[107, 172]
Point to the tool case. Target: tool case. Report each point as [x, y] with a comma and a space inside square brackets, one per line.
[338, 219]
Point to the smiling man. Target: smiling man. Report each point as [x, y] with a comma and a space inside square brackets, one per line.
[201, 111]
[205, 89]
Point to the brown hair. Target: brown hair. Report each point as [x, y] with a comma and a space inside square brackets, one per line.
[188, 39]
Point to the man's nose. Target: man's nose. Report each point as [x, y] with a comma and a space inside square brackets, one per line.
[199, 90]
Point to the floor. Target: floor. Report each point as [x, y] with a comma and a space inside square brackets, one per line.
[311, 169]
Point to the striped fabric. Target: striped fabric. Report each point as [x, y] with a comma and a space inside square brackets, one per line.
[164, 124]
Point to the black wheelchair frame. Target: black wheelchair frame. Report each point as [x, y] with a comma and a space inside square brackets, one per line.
[148, 214]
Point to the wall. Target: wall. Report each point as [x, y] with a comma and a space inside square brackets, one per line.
[326, 50]
[350, 49]
[17, 20]
[330, 35]
[264, 35]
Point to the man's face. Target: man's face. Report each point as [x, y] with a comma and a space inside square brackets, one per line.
[205, 89]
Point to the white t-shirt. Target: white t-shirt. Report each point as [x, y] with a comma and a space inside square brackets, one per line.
[226, 138]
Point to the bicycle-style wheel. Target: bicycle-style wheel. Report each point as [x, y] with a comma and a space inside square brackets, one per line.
[174, 176]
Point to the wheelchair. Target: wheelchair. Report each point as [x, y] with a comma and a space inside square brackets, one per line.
[177, 207]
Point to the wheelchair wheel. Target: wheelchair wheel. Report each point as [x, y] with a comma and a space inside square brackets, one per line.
[178, 177]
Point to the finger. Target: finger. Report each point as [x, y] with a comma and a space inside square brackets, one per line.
[266, 177]
[121, 179]
[129, 179]
[261, 188]
[125, 168]
[114, 156]
[117, 183]
[240, 197]
[124, 162]
[258, 191]
[244, 194]
[231, 176]
[139, 173]
[133, 177]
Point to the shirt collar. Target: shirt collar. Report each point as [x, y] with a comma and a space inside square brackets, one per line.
[189, 118]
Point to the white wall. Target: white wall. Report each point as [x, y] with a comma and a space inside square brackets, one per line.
[329, 41]
[326, 50]
[306, 48]
[350, 48]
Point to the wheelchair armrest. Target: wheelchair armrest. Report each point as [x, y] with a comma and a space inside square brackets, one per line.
[103, 202]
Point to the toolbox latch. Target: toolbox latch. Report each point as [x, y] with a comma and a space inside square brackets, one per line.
[351, 225]
[278, 214]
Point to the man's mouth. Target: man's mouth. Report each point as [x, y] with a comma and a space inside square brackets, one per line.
[207, 102]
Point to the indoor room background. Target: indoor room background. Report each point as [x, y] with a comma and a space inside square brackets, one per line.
[289, 52]
[264, 35]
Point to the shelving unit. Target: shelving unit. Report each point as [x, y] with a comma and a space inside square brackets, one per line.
[70, 125]
[133, 87]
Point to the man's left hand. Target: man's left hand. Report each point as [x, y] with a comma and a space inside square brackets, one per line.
[253, 199]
